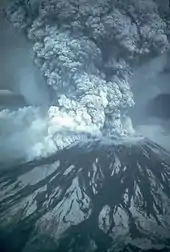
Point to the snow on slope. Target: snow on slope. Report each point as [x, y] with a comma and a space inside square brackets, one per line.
[95, 196]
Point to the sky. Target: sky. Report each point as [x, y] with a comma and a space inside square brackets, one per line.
[17, 70]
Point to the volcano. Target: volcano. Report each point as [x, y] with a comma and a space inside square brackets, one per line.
[97, 196]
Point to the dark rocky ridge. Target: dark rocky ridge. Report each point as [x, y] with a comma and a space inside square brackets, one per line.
[97, 196]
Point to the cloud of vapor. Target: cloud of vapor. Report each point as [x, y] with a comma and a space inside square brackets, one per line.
[19, 131]
[27, 133]
[86, 52]
[83, 50]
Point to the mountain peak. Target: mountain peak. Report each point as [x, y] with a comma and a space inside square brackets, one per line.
[95, 193]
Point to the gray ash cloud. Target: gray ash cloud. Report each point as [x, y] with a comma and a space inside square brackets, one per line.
[86, 50]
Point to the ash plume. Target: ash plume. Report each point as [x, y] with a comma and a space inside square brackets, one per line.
[87, 51]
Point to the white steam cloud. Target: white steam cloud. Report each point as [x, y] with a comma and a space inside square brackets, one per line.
[27, 133]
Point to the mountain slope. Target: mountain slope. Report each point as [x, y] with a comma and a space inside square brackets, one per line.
[99, 196]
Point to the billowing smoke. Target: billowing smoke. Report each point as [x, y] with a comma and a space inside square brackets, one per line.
[29, 133]
[87, 51]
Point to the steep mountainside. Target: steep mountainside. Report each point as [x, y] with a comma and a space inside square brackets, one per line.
[98, 196]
